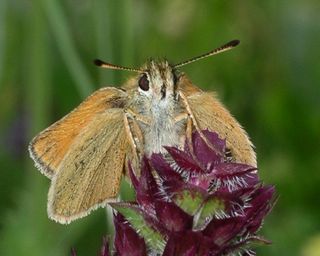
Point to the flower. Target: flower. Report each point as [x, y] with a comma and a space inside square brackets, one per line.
[193, 202]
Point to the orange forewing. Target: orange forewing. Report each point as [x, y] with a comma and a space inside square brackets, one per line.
[90, 173]
[50, 146]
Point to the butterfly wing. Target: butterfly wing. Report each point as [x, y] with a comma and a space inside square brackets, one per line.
[211, 114]
[49, 147]
[90, 173]
[186, 86]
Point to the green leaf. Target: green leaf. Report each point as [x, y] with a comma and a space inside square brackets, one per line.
[206, 212]
[134, 215]
[189, 200]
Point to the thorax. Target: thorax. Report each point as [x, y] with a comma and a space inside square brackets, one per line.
[162, 128]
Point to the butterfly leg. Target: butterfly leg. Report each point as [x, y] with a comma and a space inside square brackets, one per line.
[134, 129]
[189, 129]
[185, 117]
[181, 117]
[136, 141]
[188, 134]
[195, 123]
[138, 117]
[130, 135]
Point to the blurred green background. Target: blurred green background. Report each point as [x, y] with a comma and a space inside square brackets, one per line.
[270, 83]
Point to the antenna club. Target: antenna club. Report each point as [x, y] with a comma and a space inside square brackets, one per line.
[98, 62]
[234, 42]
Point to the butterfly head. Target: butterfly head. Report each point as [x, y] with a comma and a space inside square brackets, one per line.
[158, 81]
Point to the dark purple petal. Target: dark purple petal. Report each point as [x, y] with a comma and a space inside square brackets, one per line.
[189, 243]
[185, 163]
[228, 184]
[251, 178]
[232, 176]
[237, 196]
[241, 245]
[224, 230]
[147, 180]
[147, 191]
[213, 137]
[227, 170]
[205, 154]
[156, 224]
[203, 180]
[261, 204]
[163, 169]
[176, 247]
[171, 187]
[172, 217]
[127, 241]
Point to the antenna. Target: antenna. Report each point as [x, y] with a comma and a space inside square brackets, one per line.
[218, 50]
[103, 64]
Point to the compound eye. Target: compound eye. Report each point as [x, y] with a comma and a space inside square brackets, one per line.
[144, 83]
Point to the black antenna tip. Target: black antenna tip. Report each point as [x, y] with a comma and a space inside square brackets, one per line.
[234, 43]
[98, 62]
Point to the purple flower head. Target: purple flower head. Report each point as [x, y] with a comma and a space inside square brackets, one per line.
[194, 202]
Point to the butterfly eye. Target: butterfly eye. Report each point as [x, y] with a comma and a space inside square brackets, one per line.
[144, 83]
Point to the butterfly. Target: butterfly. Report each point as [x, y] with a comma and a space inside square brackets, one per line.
[86, 153]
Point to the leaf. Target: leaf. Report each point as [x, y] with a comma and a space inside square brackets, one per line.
[189, 199]
[134, 215]
[207, 211]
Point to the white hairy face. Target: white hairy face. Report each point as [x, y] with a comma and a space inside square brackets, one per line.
[158, 83]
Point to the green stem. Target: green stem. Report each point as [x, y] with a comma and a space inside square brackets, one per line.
[128, 26]
[105, 42]
[3, 8]
[67, 48]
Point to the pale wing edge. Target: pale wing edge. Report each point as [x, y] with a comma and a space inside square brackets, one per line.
[68, 219]
[43, 168]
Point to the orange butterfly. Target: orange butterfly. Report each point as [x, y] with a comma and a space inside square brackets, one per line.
[85, 153]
